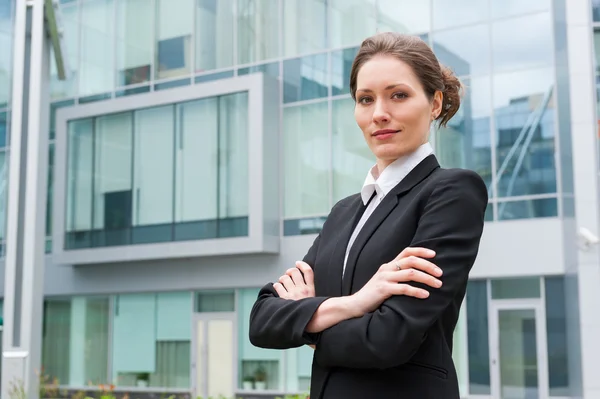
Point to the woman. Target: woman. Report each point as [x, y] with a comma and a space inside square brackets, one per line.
[369, 297]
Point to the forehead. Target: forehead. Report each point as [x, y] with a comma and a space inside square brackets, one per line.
[382, 70]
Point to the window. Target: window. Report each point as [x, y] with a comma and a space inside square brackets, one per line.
[351, 21]
[134, 31]
[97, 74]
[214, 34]
[75, 340]
[258, 35]
[304, 26]
[159, 174]
[152, 340]
[478, 338]
[174, 29]
[306, 160]
[305, 78]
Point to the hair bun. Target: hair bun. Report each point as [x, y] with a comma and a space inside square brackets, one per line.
[453, 91]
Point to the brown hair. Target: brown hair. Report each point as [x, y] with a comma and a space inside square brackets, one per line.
[417, 54]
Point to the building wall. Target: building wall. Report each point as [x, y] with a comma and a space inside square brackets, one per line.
[115, 320]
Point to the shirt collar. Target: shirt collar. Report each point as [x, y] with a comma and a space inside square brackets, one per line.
[393, 173]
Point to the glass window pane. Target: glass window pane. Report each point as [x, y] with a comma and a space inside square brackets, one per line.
[460, 352]
[305, 78]
[477, 333]
[516, 288]
[466, 141]
[556, 327]
[253, 359]
[351, 21]
[214, 34]
[341, 64]
[258, 30]
[271, 69]
[4, 160]
[215, 301]
[4, 127]
[113, 143]
[524, 119]
[196, 161]
[524, 42]
[474, 59]
[233, 165]
[352, 158]
[6, 29]
[174, 29]
[304, 26]
[306, 160]
[448, 13]
[56, 339]
[96, 43]
[70, 22]
[153, 173]
[50, 192]
[537, 208]
[158, 355]
[135, 32]
[79, 183]
[596, 10]
[507, 8]
[404, 16]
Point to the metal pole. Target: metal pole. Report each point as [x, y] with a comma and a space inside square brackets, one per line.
[26, 211]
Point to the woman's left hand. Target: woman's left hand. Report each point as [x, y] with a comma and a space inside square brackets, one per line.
[297, 283]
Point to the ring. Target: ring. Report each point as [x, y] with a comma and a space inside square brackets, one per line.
[398, 266]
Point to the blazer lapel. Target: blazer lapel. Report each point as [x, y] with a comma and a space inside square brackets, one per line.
[387, 205]
[348, 221]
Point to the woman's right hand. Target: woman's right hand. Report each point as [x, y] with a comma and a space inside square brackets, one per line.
[391, 279]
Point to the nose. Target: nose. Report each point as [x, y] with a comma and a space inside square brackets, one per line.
[380, 113]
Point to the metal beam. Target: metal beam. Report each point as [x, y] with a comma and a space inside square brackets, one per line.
[24, 265]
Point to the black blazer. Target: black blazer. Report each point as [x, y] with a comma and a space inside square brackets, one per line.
[403, 350]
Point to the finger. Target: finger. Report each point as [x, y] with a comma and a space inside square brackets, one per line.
[280, 290]
[307, 271]
[416, 251]
[287, 282]
[408, 290]
[295, 275]
[412, 262]
[416, 276]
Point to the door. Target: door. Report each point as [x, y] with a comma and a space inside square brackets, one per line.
[214, 370]
[518, 350]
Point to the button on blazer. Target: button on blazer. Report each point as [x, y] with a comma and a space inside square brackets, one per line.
[402, 350]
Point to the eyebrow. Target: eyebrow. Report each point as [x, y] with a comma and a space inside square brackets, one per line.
[390, 87]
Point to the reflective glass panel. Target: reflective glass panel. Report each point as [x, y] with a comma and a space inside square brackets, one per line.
[97, 32]
[351, 21]
[536, 208]
[304, 26]
[4, 128]
[506, 8]
[70, 22]
[6, 29]
[258, 36]
[214, 34]
[307, 162]
[3, 192]
[515, 288]
[466, 141]
[341, 64]
[474, 59]
[174, 30]
[524, 42]
[135, 46]
[305, 78]
[556, 326]
[352, 158]
[524, 109]
[405, 16]
[478, 338]
[449, 13]
[596, 10]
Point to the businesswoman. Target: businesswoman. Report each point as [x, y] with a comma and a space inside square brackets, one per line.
[368, 296]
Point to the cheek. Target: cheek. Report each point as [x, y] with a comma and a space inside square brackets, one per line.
[362, 118]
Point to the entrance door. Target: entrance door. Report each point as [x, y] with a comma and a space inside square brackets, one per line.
[518, 349]
[214, 355]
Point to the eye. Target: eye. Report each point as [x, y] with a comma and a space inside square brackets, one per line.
[399, 96]
[364, 100]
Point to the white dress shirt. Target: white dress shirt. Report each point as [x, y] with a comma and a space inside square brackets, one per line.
[383, 184]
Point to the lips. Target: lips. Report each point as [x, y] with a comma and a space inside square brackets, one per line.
[384, 132]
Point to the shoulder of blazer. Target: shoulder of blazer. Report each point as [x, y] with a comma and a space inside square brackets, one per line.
[465, 178]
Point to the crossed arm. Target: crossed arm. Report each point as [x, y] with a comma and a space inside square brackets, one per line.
[388, 334]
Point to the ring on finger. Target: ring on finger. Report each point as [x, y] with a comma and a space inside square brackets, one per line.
[398, 268]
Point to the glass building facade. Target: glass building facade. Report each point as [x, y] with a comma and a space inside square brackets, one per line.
[178, 173]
